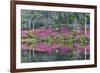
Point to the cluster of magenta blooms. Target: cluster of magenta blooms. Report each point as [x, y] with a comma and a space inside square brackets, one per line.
[61, 40]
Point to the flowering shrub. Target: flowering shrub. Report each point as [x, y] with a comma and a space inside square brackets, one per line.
[63, 41]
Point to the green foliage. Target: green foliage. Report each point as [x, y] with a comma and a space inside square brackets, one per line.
[53, 18]
[70, 40]
[83, 40]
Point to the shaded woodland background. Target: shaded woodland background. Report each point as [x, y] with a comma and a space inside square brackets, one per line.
[52, 18]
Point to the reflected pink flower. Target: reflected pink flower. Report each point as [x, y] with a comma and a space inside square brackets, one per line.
[64, 50]
[77, 45]
[24, 46]
[88, 35]
[54, 46]
[44, 47]
[87, 46]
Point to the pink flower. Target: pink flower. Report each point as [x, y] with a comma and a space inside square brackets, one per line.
[49, 30]
[54, 34]
[24, 33]
[64, 30]
[42, 34]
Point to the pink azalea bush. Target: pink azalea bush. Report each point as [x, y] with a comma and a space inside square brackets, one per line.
[59, 40]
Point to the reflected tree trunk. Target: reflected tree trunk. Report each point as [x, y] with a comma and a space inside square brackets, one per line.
[85, 34]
